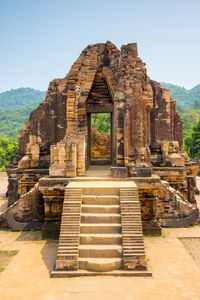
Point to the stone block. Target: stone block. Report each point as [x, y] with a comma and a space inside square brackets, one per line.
[118, 172]
[142, 171]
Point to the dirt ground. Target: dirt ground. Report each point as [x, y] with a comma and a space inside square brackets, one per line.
[175, 274]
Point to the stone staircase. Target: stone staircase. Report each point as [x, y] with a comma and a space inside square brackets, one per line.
[101, 231]
[67, 255]
[100, 246]
[132, 235]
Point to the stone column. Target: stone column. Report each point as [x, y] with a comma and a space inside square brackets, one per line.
[119, 98]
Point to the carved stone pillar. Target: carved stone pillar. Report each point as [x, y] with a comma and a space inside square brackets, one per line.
[119, 98]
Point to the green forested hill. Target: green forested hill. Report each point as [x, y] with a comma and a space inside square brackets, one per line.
[183, 97]
[188, 105]
[15, 108]
[16, 98]
[11, 121]
[196, 89]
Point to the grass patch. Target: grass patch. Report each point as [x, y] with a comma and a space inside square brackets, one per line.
[10, 230]
[6, 257]
[8, 253]
[154, 235]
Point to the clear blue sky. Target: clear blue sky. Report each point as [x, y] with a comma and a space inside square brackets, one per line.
[40, 39]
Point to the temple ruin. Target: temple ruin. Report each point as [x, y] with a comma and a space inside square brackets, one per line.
[100, 202]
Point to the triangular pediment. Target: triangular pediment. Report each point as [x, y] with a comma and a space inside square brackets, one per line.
[99, 98]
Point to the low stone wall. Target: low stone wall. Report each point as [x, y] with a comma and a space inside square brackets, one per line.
[182, 222]
[7, 220]
[29, 207]
[21, 181]
[178, 212]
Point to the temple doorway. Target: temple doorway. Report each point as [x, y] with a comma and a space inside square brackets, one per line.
[100, 123]
[100, 149]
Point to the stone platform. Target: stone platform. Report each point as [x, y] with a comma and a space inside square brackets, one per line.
[53, 192]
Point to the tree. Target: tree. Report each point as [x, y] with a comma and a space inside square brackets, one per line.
[8, 151]
[192, 142]
[101, 122]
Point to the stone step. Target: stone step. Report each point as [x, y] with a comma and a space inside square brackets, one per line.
[68, 247]
[100, 200]
[99, 189]
[100, 251]
[134, 245]
[68, 254]
[100, 239]
[100, 92]
[134, 225]
[121, 273]
[99, 87]
[100, 218]
[65, 243]
[69, 231]
[125, 207]
[130, 230]
[100, 209]
[96, 98]
[100, 228]
[130, 212]
[72, 257]
[100, 264]
[69, 226]
[132, 237]
[67, 238]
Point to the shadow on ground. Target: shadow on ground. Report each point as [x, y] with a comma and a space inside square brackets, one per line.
[3, 196]
[49, 252]
[30, 236]
[3, 206]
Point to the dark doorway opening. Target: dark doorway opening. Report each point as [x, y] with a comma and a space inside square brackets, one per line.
[100, 150]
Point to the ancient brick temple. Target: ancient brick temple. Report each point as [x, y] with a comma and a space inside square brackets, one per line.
[151, 181]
